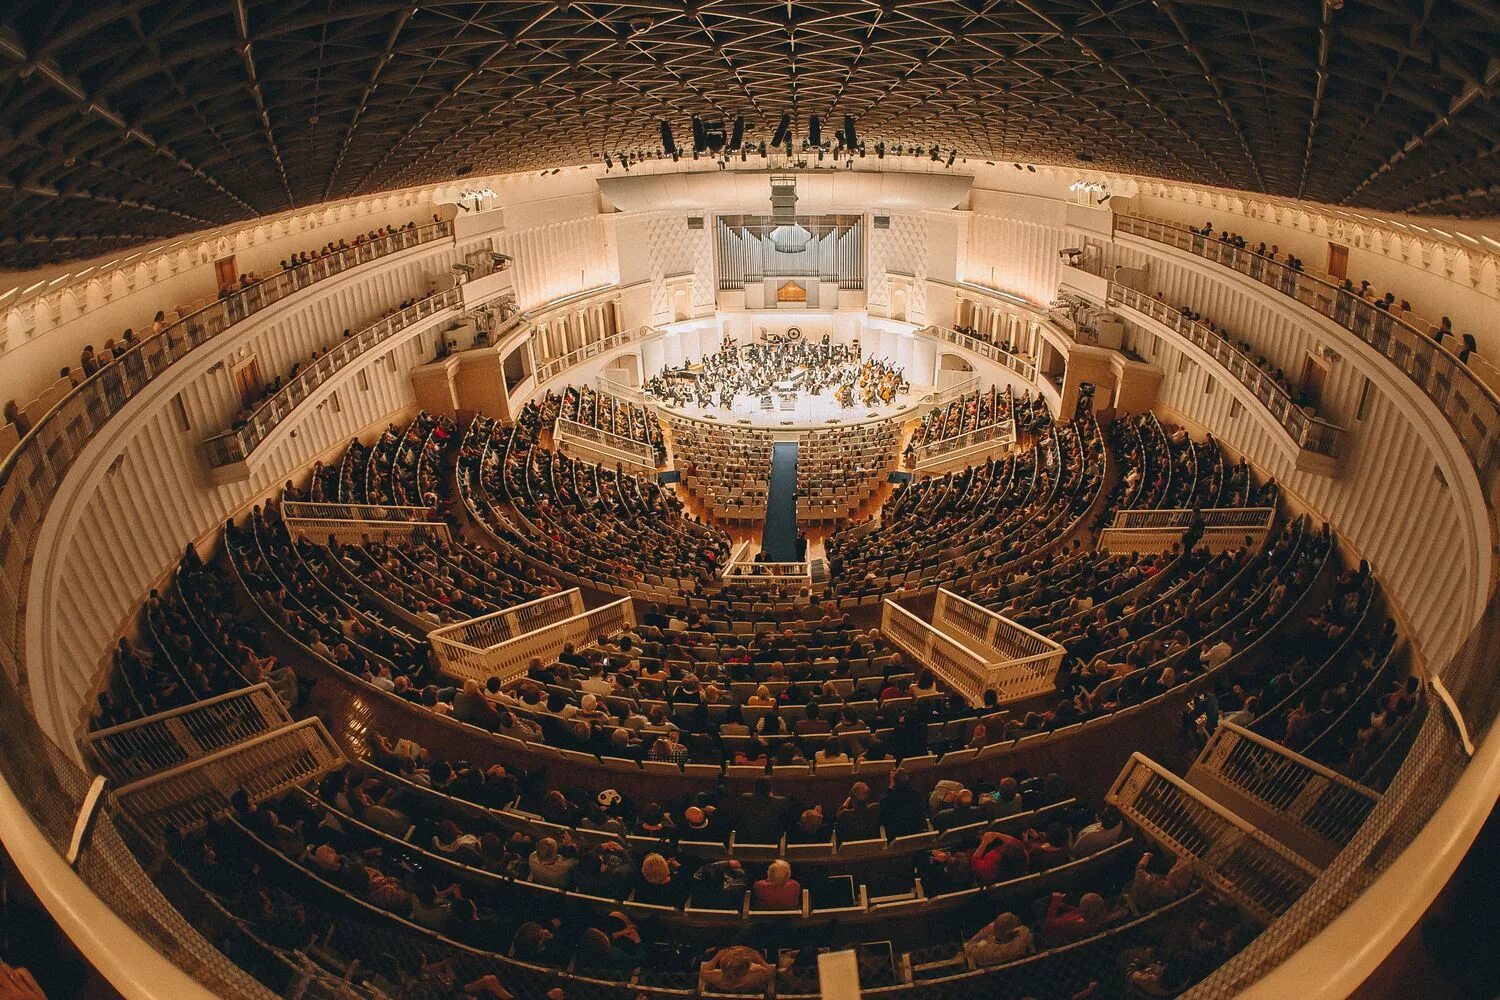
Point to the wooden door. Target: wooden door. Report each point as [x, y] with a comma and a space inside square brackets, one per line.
[1314, 374]
[247, 381]
[224, 271]
[1338, 261]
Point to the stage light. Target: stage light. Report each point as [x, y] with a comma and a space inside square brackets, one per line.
[1031, 167]
[783, 131]
[952, 155]
[880, 150]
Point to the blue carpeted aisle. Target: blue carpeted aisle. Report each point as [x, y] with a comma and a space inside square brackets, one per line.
[780, 539]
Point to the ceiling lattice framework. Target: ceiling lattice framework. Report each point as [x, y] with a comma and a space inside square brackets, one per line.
[122, 122]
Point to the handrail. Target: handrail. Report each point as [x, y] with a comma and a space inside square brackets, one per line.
[478, 634]
[548, 370]
[992, 352]
[164, 739]
[1292, 755]
[1306, 430]
[623, 449]
[509, 658]
[1182, 517]
[191, 793]
[323, 510]
[960, 667]
[1471, 407]
[236, 445]
[1259, 873]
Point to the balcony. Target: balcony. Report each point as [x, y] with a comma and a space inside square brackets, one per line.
[1319, 444]
[1471, 408]
[1021, 365]
[489, 278]
[234, 447]
[549, 370]
[31, 474]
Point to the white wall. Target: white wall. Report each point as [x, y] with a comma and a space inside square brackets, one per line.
[656, 245]
[1013, 244]
[903, 248]
[560, 246]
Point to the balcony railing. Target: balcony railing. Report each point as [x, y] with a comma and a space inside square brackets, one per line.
[1471, 407]
[1021, 366]
[544, 637]
[1306, 430]
[237, 445]
[548, 370]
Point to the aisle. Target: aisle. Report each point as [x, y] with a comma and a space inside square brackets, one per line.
[779, 542]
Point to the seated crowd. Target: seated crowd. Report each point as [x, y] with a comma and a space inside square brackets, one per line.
[974, 411]
[726, 763]
[1348, 293]
[607, 413]
[726, 469]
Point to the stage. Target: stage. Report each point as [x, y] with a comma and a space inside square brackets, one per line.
[806, 411]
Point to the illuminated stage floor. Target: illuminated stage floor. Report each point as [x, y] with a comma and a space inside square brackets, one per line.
[807, 410]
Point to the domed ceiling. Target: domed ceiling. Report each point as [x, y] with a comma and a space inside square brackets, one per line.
[122, 123]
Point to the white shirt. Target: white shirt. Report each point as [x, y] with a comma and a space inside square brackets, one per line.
[1217, 654]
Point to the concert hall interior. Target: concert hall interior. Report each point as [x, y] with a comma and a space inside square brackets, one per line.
[903, 499]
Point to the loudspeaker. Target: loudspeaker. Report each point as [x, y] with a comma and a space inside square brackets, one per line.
[666, 139]
[814, 131]
[850, 139]
[737, 137]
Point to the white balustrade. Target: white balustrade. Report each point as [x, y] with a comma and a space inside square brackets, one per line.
[597, 443]
[189, 795]
[739, 570]
[154, 743]
[1319, 801]
[548, 370]
[503, 644]
[1022, 366]
[1020, 663]
[961, 668]
[1157, 530]
[1228, 852]
[356, 524]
